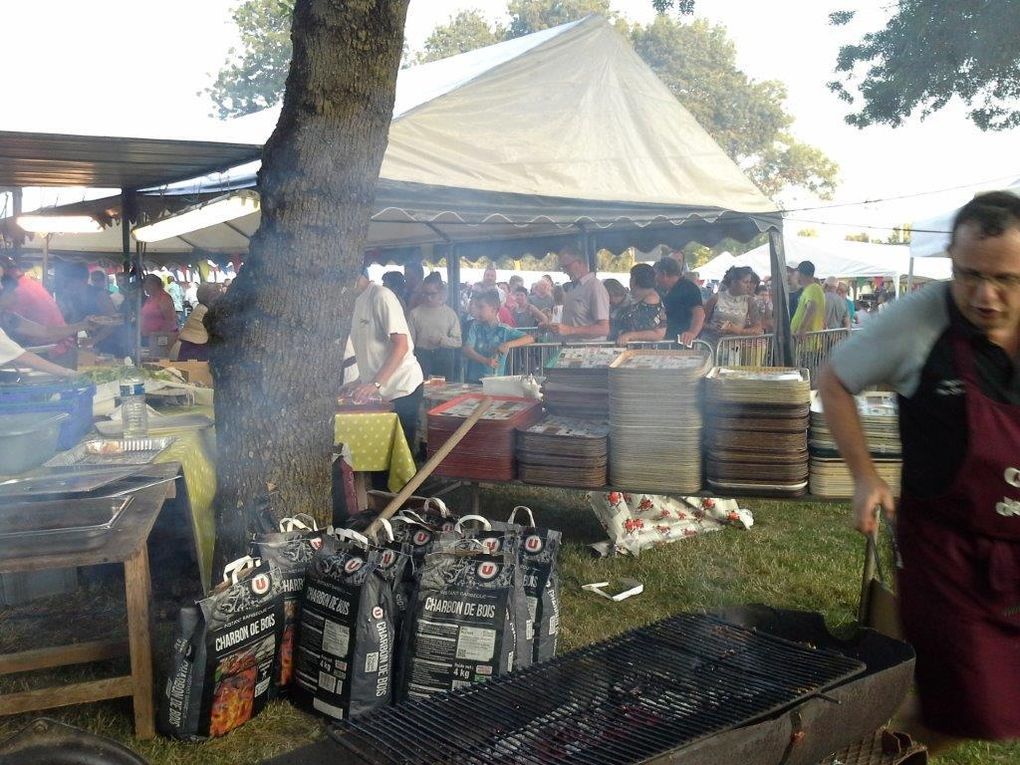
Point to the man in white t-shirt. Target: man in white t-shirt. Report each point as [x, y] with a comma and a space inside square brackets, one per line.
[12, 354]
[384, 351]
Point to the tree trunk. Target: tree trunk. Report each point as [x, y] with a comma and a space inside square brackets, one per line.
[277, 337]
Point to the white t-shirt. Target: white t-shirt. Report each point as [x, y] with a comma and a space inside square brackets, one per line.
[9, 350]
[377, 315]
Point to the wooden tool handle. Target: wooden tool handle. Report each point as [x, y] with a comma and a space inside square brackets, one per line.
[426, 470]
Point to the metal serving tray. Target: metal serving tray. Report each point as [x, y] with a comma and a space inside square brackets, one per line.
[62, 481]
[61, 526]
[112, 451]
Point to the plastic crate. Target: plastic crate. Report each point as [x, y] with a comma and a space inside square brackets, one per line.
[76, 400]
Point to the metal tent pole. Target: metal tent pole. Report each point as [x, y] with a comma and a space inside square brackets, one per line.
[127, 214]
[45, 259]
[780, 297]
[910, 275]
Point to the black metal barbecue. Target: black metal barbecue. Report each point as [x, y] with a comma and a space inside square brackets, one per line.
[749, 686]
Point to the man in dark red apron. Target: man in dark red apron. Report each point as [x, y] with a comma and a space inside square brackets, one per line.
[950, 352]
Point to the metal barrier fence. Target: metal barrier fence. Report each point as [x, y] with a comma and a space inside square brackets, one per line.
[531, 359]
[746, 350]
[814, 349]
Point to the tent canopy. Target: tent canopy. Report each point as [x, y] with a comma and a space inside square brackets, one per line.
[930, 236]
[475, 153]
[477, 157]
[51, 159]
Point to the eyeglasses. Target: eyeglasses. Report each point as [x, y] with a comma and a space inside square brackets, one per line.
[970, 278]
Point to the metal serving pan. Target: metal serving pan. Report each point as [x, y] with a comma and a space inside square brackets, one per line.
[62, 482]
[110, 451]
[58, 527]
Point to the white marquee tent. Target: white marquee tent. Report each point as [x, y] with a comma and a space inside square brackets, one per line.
[559, 133]
[834, 257]
[930, 236]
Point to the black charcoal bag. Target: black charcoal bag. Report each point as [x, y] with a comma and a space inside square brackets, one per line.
[224, 654]
[344, 658]
[290, 550]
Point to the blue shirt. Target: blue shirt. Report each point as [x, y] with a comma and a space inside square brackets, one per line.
[486, 339]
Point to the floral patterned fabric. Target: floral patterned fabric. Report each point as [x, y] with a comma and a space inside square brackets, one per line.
[638, 317]
[635, 522]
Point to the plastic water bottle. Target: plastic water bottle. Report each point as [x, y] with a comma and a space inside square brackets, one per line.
[134, 412]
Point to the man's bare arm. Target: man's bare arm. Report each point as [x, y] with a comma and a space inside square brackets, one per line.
[870, 491]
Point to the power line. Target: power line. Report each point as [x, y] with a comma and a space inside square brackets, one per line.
[868, 225]
[834, 205]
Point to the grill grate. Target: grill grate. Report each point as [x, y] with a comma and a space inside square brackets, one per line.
[642, 693]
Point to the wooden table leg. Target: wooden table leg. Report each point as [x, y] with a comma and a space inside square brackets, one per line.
[137, 586]
[360, 491]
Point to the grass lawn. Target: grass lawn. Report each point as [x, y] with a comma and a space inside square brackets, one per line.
[796, 556]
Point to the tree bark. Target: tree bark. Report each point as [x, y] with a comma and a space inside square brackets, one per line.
[277, 337]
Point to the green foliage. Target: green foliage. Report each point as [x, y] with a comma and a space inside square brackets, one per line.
[466, 31]
[900, 235]
[808, 233]
[929, 52]
[528, 16]
[253, 78]
[860, 236]
[615, 264]
[697, 61]
[683, 7]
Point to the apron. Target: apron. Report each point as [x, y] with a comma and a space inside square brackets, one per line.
[959, 588]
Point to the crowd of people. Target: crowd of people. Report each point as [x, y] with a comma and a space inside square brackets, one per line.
[96, 304]
[661, 302]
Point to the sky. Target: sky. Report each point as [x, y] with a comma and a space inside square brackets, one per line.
[138, 68]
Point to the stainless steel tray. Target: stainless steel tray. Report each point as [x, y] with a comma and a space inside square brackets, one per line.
[113, 451]
[74, 480]
[58, 527]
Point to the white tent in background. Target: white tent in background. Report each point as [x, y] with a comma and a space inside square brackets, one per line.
[835, 257]
[930, 236]
[714, 269]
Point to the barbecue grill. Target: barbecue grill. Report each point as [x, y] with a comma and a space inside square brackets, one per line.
[744, 686]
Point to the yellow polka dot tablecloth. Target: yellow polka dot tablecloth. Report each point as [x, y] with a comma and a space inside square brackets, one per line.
[377, 442]
[196, 451]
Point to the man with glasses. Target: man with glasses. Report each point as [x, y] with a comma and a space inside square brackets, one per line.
[585, 305]
[950, 352]
[435, 330]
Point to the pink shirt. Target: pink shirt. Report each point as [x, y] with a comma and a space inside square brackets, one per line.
[158, 314]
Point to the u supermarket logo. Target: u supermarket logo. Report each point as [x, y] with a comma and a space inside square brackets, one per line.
[421, 537]
[353, 565]
[487, 570]
[260, 584]
[533, 544]
[492, 544]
